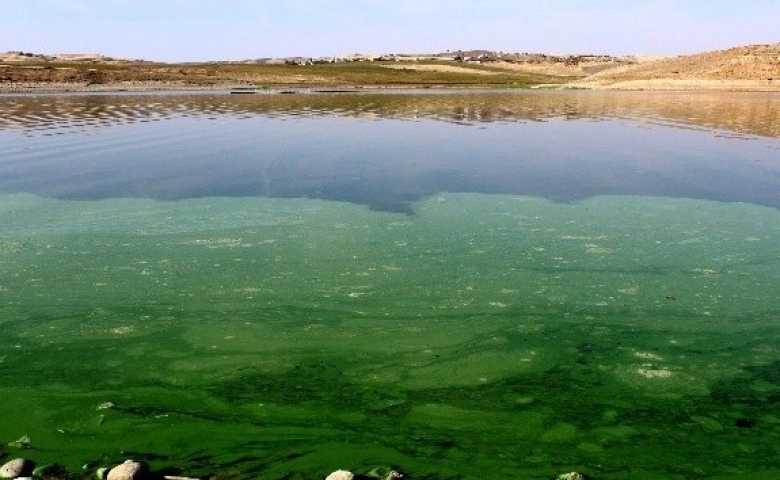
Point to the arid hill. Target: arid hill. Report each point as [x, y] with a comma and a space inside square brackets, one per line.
[749, 68]
[754, 67]
[25, 57]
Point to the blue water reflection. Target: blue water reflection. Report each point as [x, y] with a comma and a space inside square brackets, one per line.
[358, 149]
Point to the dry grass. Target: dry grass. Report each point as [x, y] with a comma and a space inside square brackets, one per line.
[224, 74]
[755, 67]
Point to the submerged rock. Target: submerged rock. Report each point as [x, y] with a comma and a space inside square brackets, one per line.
[571, 476]
[340, 475]
[46, 470]
[385, 473]
[23, 442]
[18, 467]
[129, 470]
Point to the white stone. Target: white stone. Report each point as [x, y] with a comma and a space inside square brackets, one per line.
[130, 470]
[340, 475]
[14, 468]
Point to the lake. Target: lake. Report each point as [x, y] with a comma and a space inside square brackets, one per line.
[457, 284]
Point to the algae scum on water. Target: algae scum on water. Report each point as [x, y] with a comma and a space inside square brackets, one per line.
[479, 336]
[458, 285]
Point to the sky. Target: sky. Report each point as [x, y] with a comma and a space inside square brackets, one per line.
[199, 30]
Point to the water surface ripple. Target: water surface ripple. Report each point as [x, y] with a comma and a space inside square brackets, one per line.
[389, 150]
[544, 282]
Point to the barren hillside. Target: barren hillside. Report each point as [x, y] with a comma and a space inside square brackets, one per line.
[749, 68]
[754, 67]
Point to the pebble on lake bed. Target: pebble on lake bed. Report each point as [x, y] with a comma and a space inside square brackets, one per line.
[129, 470]
[18, 467]
[340, 475]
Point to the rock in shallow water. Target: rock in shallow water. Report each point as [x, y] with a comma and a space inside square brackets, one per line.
[18, 467]
[384, 473]
[340, 475]
[572, 476]
[130, 470]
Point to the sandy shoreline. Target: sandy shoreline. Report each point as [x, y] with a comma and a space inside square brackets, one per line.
[140, 87]
[659, 85]
[681, 85]
[592, 83]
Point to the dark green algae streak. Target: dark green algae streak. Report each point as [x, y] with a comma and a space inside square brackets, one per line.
[480, 337]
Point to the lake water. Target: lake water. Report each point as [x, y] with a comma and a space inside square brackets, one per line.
[470, 285]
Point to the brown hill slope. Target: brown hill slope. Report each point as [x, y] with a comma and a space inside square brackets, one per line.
[753, 67]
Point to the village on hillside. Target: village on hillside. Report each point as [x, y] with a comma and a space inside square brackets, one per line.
[464, 56]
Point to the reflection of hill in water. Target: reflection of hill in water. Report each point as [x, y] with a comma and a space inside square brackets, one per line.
[742, 113]
[391, 165]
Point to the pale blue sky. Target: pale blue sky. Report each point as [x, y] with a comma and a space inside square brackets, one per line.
[191, 30]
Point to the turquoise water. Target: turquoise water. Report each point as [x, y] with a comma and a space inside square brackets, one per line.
[461, 334]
